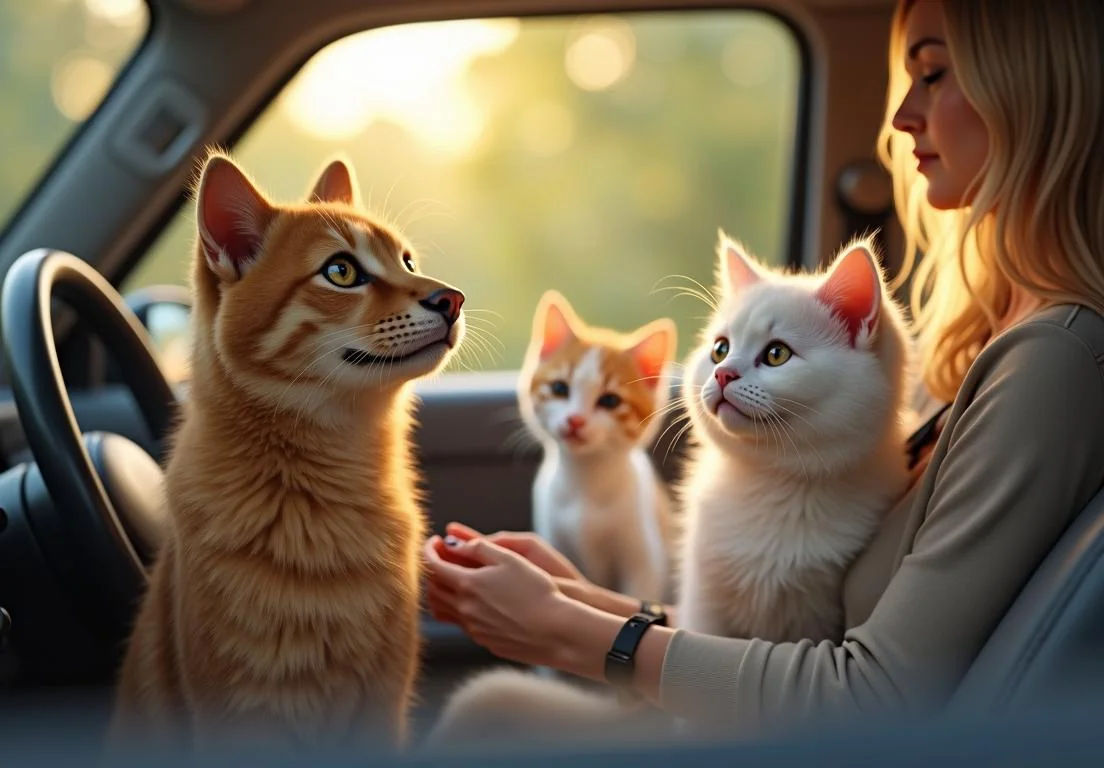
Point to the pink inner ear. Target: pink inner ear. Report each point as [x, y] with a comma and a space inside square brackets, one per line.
[853, 291]
[335, 185]
[556, 330]
[232, 215]
[738, 268]
[651, 355]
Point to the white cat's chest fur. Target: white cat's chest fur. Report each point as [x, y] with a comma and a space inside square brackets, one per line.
[765, 556]
[610, 518]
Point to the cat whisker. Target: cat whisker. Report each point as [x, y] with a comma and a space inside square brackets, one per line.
[387, 197]
[341, 332]
[318, 358]
[695, 290]
[520, 441]
[806, 421]
[461, 358]
[484, 325]
[684, 422]
[318, 389]
[687, 426]
[804, 439]
[421, 213]
[782, 431]
[426, 217]
[646, 378]
[664, 410]
[478, 343]
[798, 404]
[487, 334]
[685, 292]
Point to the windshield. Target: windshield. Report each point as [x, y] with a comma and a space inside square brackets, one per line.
[58, 59]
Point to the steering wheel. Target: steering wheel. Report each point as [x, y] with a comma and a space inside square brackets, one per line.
[96, 514]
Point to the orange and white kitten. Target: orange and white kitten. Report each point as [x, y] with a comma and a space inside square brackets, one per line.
[283, 607]
[593, 397]
[798, 396]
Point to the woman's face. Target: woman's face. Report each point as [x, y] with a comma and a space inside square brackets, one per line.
[951, 140]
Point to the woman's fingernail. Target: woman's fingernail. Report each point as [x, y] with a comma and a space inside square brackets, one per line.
[452, 541]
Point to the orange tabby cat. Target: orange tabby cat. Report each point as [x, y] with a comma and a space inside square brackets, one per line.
[283, 608]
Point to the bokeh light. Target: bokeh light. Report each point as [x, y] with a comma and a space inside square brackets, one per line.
[601, 53]
[79, 84]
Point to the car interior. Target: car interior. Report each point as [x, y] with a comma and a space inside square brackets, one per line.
[591, 146]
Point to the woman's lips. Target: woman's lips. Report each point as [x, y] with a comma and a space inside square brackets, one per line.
[925, 159]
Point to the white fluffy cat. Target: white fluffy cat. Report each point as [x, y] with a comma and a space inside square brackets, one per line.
[593, 398]
[797, 395]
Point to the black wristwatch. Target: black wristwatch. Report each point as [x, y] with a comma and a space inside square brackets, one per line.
[619, 658]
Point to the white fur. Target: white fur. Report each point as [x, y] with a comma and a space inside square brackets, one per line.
[601, 504]
[778, 505]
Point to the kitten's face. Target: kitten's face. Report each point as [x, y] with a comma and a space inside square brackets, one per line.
[316, 302]
[789, 360]
[593, 390]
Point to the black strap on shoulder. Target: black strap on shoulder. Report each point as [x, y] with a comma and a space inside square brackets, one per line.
[923, 437]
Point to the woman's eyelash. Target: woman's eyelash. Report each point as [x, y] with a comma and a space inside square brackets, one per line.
[933, 78]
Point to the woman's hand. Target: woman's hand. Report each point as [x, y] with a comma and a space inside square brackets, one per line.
[529, 545]
[502, 601]
[517, 612]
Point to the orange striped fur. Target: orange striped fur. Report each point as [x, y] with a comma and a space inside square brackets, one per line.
[283, 608]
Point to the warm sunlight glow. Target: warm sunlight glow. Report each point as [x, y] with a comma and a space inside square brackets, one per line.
[546, 128]
[121, 12]
[78, 84]
[410, 75]
[600, 54]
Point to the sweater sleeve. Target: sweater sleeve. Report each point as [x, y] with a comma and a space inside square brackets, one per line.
[1021, 454]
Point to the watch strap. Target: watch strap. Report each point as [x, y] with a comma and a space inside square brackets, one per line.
[620, 657]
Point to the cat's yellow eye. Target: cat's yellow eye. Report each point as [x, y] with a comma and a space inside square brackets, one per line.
[776, 354]
[343, 271]
[720, 350]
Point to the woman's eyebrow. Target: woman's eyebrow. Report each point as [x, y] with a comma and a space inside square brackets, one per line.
[915, 48]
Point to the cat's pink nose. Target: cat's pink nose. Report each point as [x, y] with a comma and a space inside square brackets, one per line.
[725, 376]
[446, 302]
[575, 422]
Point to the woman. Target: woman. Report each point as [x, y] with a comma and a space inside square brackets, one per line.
[993, 121]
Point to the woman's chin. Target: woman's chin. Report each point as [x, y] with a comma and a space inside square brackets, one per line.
[942, 198]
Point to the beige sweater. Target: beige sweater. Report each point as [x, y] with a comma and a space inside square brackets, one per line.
[1021, 453]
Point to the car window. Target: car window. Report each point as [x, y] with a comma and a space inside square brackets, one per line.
[595, 155]
[58, 58]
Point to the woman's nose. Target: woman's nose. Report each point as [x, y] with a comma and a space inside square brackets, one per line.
[907, 118]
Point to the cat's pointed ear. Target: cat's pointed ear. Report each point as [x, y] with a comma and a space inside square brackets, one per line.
[336, 183]
[552, 325]
[853, 290]
[738, 269]
[232, 216]
[653, 348]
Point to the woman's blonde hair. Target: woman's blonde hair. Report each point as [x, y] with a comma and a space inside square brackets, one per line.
[1032, 70]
